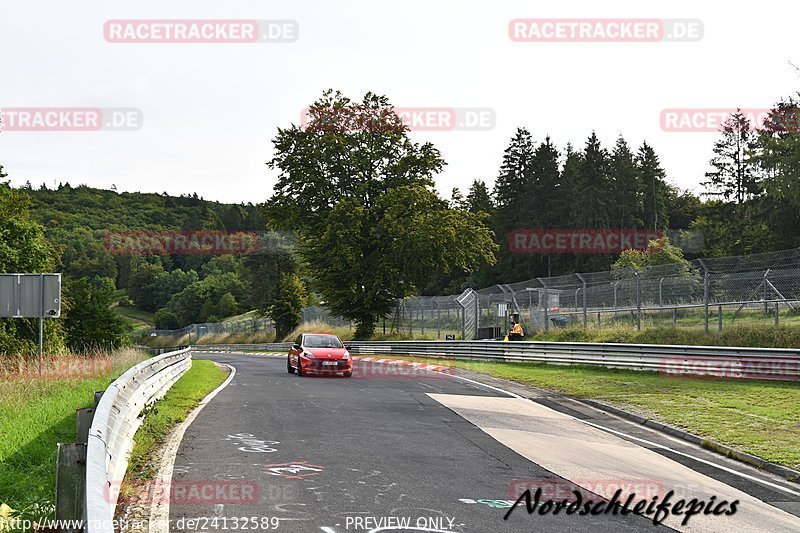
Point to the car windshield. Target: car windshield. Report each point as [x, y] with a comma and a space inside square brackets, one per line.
[322, 341]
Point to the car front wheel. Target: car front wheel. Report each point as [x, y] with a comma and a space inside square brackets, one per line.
[289, 367]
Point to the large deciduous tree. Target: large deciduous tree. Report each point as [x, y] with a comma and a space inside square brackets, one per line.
[361, 195]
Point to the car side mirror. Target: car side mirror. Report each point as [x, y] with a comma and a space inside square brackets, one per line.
[347, 347]
[296, 346]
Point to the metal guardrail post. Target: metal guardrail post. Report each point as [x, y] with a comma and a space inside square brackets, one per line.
[83, 421]
[70, 482]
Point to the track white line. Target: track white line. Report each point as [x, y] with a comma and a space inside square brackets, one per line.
[645, 441]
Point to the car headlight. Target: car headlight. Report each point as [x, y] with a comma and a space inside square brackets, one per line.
[309, 355]
[346, 356]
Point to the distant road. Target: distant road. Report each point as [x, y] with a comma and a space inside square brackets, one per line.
[401, 450]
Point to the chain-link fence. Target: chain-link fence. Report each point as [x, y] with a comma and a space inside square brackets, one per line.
[710, 294]
[758, 289]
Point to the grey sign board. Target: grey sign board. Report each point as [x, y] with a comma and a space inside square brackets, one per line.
[30, 295]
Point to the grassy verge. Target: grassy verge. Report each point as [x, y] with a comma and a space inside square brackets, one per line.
[138, 319]
[188, 391]
[38, 414]
[757, 417]
[753, 336]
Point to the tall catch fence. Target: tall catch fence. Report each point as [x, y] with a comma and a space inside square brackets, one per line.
[706, 294]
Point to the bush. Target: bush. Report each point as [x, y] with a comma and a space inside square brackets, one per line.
[165, 319]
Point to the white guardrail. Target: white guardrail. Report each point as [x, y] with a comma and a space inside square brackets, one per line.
[719, 361]
[115, 422]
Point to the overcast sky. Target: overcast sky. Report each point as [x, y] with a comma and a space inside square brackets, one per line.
[210, 110]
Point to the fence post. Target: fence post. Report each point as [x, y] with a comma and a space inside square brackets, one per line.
[706, 276]
[585, 317]
[638, 299]
[674, 317]
[546, 305]
[766, 293]
[438, 321]
[477, 314]
[777, 319]
[719, 318]
[530, 306]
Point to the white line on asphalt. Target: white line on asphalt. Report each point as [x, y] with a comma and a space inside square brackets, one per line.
[690, 456]
[159, 512]
[513, 395]
[661, 446]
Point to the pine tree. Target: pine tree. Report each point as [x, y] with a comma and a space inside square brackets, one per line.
[479, 199]
[513, 206]
[514, 173]
[735, 173]
[627, 190]
[595, 187]
[544, 188]
[653, 177]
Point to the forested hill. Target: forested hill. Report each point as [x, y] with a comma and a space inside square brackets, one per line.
[70, 208]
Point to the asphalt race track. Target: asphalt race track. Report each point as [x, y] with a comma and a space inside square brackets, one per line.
[396, 449]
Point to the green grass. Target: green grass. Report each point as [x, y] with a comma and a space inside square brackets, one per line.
[743, 335]
[136, 317]
[36, 415]
[758, 417]
[185, 394]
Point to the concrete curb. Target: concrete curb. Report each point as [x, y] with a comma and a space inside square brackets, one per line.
[785, 472]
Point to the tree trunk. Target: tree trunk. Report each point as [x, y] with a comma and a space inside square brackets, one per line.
[365, 327]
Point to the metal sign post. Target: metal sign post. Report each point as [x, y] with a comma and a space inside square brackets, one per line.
[31, 296]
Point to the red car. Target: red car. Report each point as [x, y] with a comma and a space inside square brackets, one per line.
[319, 353]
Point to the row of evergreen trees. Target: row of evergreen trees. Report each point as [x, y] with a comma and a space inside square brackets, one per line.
[540, 186]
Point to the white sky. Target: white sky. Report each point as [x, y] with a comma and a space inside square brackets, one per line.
[211, 110]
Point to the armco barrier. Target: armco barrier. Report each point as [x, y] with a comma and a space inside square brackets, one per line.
[115, 422]
[750, 363]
